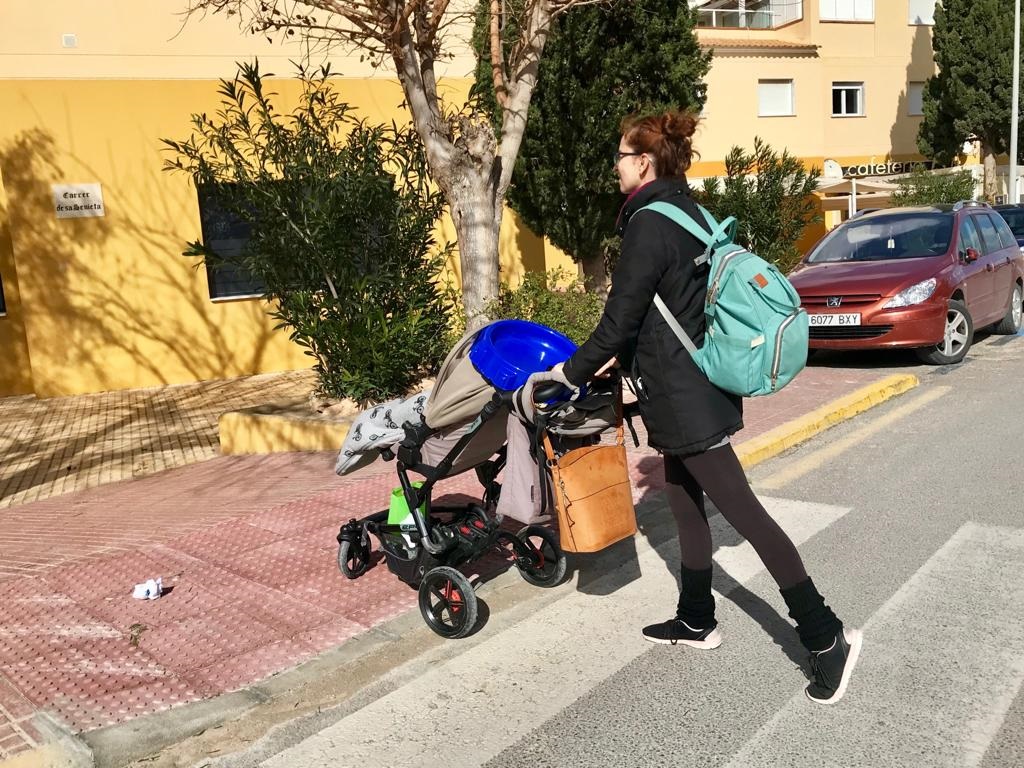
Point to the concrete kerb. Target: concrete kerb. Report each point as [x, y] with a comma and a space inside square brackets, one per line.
[120, 744]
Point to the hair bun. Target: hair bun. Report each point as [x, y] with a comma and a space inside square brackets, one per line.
[678, 125]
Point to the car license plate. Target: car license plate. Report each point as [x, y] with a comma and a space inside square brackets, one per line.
[845, 319]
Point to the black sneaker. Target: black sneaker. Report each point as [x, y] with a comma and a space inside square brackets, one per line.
[678, 632]
[833, 666]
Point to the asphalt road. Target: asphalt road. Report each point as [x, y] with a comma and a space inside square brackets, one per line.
[911, 523]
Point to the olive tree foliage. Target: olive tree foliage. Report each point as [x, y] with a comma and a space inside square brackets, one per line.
[338, 221]
[771, 196]
[924, 188]
[470, 164]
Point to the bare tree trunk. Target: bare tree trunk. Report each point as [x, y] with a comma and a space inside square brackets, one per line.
[477, 233]
[988, 159]
[595, 276]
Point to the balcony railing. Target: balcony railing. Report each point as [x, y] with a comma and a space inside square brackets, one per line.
[755, 15]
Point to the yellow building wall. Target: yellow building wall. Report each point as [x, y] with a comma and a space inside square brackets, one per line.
[885, 55]
[109, 303]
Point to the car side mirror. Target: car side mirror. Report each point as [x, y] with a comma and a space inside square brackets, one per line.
[971, 255]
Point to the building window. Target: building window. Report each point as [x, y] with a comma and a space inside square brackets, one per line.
[3, 305]
[847, 99]
[775, 98]
[226, 235]
[922, 12]
[915, 99]
[847, 10]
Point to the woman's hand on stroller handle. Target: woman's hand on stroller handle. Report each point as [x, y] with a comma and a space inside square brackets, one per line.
[555, 376]
[546, 391]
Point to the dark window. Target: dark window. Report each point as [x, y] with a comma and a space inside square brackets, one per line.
[988, 233]
[847, 99]
[1015, 218]
[969, 237]
[226, 235]
[3, 305]
[1005, 233]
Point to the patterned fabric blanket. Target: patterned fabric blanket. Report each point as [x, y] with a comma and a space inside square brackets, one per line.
[376, 428]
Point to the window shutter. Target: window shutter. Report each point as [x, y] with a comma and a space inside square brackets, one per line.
[922, 12]
[915, 99]
[775, 98]
[864, 10]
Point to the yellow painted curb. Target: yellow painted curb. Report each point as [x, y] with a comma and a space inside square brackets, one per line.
[772, 443]
[248, 431]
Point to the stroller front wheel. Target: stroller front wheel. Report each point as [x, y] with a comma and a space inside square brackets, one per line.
[353, 559]
[546, 565]
[448, 602]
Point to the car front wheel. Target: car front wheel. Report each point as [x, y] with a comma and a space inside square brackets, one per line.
[1011, 323]
[956, 339]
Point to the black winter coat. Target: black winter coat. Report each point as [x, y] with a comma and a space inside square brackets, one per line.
[684, 412]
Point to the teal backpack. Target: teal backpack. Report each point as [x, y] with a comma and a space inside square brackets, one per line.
[756, 338]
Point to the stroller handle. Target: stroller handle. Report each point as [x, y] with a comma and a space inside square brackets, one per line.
[549, 391]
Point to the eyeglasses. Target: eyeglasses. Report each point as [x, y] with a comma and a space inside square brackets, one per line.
[619, 155]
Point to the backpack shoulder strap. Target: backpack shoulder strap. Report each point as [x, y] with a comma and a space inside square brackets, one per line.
[721, 232]
[677, 329]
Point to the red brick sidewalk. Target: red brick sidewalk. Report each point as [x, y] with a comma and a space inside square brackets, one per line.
[247, 545]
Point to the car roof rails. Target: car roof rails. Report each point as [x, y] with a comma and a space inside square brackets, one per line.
[970, 204]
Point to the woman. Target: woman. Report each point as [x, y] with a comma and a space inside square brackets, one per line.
[688, 419]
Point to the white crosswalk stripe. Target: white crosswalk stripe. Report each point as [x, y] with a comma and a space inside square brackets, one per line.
[941, 665]
[490, 687]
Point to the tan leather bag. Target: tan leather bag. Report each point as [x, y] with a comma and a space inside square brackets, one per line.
[592, 495]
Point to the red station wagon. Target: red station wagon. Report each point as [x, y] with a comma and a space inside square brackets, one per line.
[920, 278]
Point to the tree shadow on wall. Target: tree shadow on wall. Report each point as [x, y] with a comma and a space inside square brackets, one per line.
[105, 297]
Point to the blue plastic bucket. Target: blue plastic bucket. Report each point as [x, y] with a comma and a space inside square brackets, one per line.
[505, 353]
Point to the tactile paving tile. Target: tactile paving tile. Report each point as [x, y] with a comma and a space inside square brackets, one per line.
[77, 682]
[287, 615]
[370, 599]
[35, 627]
[233, 673]
[181, 599]
[283, 562]
[113, 707]
[330, 635]
[118, 573]
[224, 541]
[296, 517]
[199, 641]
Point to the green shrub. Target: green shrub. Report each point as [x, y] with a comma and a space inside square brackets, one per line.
[771, 196]
[341, 220]
[557, 299]
[923, 188]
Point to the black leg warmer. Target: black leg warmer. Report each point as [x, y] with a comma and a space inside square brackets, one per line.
[816, 624]
[696, 603]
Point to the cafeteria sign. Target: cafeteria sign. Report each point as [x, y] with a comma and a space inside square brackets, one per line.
[78, 201]
[885, 169]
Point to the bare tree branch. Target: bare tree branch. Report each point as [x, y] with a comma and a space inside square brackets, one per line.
[465, 159]
[497, 57]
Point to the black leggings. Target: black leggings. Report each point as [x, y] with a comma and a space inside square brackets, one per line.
[718, 473]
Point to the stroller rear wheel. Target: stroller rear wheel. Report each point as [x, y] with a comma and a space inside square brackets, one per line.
[448, 602]
[353, 558]
[546, 566]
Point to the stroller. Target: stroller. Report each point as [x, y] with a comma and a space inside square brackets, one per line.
[464, 423]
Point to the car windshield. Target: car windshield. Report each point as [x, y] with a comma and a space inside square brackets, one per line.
[890, 236]
[1015, 218]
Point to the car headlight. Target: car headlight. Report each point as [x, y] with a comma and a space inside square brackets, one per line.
[915, 294]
